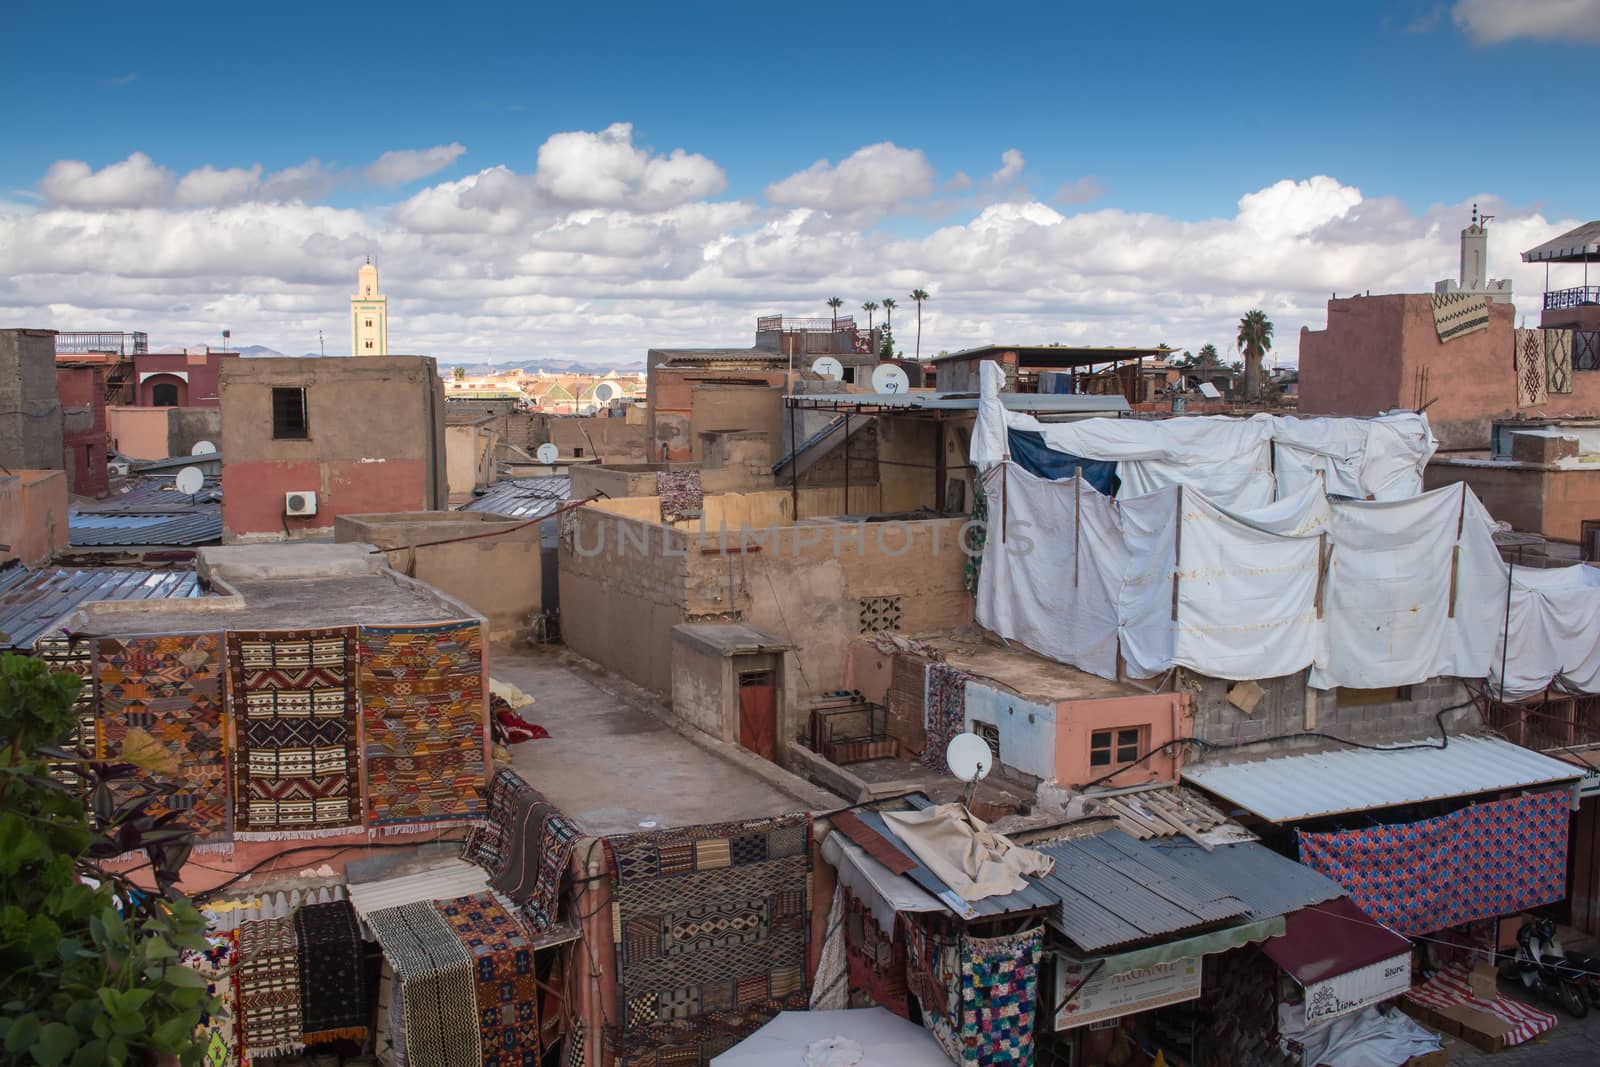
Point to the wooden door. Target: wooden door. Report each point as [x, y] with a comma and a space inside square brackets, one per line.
[758, 713]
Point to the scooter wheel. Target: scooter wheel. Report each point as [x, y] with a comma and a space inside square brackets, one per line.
[1571, 1000]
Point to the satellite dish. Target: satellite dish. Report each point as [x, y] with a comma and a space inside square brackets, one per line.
[969, 757]
[1209, 391]
[203, 448]
[190, 480]
[605, 393]
[889, 378]
[828, 367]
[548, 453]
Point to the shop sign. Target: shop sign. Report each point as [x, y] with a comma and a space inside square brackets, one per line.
[1110, 996]
[1589, 784]
[1355, 989]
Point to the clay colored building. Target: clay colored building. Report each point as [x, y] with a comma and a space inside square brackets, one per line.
[82, 390]
[1577, 252]
[369, 315]
[179, 379]
[312, 439]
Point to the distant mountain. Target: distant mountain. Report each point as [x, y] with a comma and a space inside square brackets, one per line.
[549, 366]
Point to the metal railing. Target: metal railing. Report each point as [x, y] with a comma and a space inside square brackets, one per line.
[785, 324]
[1577, 296]
[82, 342]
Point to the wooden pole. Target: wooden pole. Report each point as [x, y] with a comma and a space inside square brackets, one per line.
[1322, 569]
[1004, 463]
[1177, 553]
[794, 467]
[1455, 550]
[1077, 519]
[847, 461]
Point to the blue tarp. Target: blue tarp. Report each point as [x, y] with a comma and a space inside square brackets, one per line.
[1030, 452]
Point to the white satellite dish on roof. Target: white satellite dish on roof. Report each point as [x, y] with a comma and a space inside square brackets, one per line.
[888, 378]
[547, 453]
[1209, 391]
[203, 448]
[828, 367]
[606, 392]
[189, 481]
[969, 757]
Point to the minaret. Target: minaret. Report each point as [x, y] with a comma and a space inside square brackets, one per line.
[1474, 254]
[369, 315]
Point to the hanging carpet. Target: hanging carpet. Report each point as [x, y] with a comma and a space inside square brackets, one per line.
[944, 711]
[1586, 349]
[1458, 314]
[218, 1032]
[1528, 360]
[538, 844]
[502, 960]
[488, 841]
[434, 1007]
[269, 987]
[333, 1003]
[1558, 360]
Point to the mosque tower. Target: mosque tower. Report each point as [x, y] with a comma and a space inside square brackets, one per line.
[369, 315]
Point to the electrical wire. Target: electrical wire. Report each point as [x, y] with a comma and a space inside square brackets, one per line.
[338, 850]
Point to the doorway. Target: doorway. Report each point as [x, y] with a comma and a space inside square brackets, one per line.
[758, 713]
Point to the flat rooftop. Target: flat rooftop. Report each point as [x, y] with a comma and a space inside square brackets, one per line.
[1028, 674]
[614, 768]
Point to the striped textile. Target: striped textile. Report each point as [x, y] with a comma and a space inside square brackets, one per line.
[1449, 989]
[436, 997]
[1458, 314]
[269, 987]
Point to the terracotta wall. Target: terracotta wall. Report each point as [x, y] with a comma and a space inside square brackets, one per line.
[139, 433]
[33, 515]
[195, 375]
[671, 405]
[1368, 359]
[83, 409]
[1164, 717]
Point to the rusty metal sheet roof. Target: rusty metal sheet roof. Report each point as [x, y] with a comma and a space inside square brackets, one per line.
[524, 498]
[1034, 897]
[32, 600]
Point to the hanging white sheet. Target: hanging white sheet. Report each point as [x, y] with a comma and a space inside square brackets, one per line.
[1395, 568]
[1553, 634]
[1052, 568]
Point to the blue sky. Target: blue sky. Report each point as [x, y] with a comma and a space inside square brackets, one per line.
[1175, 111]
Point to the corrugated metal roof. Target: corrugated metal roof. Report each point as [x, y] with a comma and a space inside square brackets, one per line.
[1118, 890]
[1034, 897]
[1571, 247]
[31, 600]
[1305, 786]
[1046, 403]
[98, 529]
[1269, 883]
[524, 498]
[455, 878]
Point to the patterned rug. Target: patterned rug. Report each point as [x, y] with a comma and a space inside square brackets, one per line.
[487, 843]
[508, 997]
[1586, 349]
[944, 711]
[680, 493]
[163, 695]
[710, 924]
[1458, 314]
[1529, 363]
[218, 1032]
[75, 656]
[1485, 860]
[538, 846]
[294, 710]
[424, 718]
[1558, 360]
[999, 991]
[435, 997]
[933, 976]
[876, 959]
[333, 1001]
[269, 987]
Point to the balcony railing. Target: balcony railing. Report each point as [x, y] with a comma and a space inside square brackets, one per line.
[787, 324]
[81, 342]
[1577, 296]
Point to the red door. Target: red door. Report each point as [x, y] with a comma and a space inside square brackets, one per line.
[758, 713]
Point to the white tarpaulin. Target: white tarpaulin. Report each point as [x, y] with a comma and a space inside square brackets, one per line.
[1069, 532]
[1229, 460]
[1553, 635]
[1370, 1038]
[1415, 590]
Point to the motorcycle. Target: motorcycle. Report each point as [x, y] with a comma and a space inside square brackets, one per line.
[1583, 971]
[1542, 967]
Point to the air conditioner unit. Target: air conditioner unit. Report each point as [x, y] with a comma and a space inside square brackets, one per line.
[304, 503]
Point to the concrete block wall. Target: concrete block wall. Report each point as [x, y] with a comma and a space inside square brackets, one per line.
[30, 406]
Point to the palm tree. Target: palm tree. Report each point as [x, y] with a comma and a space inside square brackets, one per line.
[835, 303]
[1207, 356]
[1254, 341]
[919, 295]
[888, 311]
[869, 307]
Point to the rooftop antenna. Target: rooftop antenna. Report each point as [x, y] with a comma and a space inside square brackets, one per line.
[969, 759]
[322, 343]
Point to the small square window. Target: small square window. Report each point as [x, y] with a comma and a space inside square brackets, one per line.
[289, 415]
[369, 323]
[1116, 748]
[369, 344]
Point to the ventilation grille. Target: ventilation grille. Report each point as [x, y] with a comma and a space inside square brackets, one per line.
[991, 737]
[879, 613]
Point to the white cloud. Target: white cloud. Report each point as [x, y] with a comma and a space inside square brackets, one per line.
[1494, 21]
[135, 182]
[606, 168]
[404, 166]
[1011, 164]
[308, 181]
[1080, 190]
[208, 185]
[1288, 209]
[877, 176]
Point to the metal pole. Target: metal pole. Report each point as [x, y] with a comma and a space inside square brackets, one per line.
[847, 461]
[794, 467]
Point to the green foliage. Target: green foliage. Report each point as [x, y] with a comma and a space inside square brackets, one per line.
[89, 973]
[886, 345]
[1254, 341]
[1208, 356]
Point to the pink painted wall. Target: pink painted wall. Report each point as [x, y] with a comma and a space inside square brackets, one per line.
[1167, 716]
[138, 433]
[253, 492]
[201, 370]
[1368, 359]
[81, 387]
[33, 515]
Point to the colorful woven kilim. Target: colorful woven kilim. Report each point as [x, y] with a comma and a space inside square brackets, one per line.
[1457, 314]
[502, 959]
[165, 693]
[710, 924]
[333, 1003]
[1558, 360]
[294, 714]
[999, 990]
[75, 656]
[486, 844]
[1529, 363]
[933, 977]
[424, 719]
[680, 493]
[435, 997]
[944, 711]
[269, 987]
[876, 959]
[1486, 860]
[538, 844]
[1586, 349]
[218, 1032]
